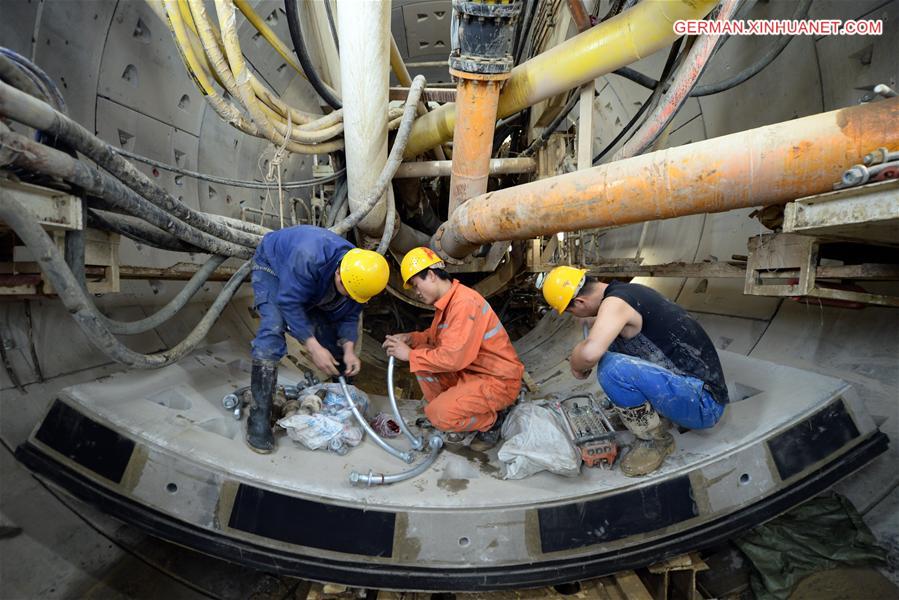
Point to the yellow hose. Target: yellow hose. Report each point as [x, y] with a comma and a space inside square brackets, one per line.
[198, 71]
[269, 35]
[227, 24]
[280, 47]
[319, 128]
[628, 37]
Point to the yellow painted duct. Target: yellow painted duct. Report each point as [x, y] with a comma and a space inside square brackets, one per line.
[623, 39]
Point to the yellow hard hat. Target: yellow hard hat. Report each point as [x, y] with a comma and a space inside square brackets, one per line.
[364, 274]
[561, 285]
[416, 261]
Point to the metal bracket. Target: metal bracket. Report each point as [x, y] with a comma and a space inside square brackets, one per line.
[787, 265]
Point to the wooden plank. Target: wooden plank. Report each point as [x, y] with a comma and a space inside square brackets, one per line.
[632, 586]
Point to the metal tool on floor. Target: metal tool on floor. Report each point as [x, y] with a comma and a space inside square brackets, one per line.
[589, 429]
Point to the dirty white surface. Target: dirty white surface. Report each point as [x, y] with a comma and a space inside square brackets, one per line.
[178, 411]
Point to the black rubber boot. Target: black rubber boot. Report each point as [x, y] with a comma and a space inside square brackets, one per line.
[262, 385]
[485, 440]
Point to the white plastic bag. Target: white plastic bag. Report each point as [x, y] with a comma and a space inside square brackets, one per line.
[334, 427]
[536, 441]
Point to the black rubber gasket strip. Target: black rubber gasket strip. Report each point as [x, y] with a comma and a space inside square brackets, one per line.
[374, 575]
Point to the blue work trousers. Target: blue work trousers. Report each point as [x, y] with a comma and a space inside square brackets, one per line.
[631, 381]
[270, 343]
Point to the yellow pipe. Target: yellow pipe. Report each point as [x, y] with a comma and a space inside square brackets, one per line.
[398, 66]
[405, 80]
[628, 37]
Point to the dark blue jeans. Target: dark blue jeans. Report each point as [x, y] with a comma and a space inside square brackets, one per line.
[631, 381]
[270, 343]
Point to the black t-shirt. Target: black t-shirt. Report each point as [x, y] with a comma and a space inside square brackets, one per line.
[670, 337]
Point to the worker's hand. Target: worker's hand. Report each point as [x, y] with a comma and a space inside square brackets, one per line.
[396, 348]
[352, 362]
[322, 358]
[580, 374]
[398, 337]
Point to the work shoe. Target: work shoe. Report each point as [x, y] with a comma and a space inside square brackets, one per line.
[454, 440]
[645, 456]
[485, 440]
[653, 442]
[263, 378]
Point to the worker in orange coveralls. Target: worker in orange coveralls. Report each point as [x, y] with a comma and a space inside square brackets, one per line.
[465, 363]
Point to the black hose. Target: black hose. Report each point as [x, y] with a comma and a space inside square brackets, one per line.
[42, 159]
[338, 201]
[173, 307]
[637, 77]
[551, 128]
[753, 69]
[136, 229]
[299, 48]
[666, 72]
[623, 131]
[82, 308]
[521, 40]
[389, 223]
[731, 82]
[332, 26]
[21, 107]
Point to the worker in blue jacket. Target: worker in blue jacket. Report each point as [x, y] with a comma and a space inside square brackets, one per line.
[311, 283]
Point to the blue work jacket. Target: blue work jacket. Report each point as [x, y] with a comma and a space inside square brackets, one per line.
[304, 258]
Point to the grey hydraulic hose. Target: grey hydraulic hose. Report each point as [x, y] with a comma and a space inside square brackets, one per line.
[23, 108]
[389, 223]
[40, 78]
[435, 444]
[417, 442]
[394, 160]
[43, 159]
[256, 185]
[81, 307]
[406, 457]
[175, 304]
[136, 229]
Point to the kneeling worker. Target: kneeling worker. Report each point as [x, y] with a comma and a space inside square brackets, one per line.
[314, 283]
[654, 359]
[465, 363]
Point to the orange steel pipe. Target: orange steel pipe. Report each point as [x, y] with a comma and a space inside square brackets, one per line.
[476, 102]
[769, 165]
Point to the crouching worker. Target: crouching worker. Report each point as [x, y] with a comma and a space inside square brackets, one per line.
[465, 363]
[311, 283]
[654, 359]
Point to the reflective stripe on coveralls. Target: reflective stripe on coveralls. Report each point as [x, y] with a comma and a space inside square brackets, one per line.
[465, 363]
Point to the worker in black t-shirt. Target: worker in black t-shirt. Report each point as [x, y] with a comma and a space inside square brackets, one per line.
[653, 357]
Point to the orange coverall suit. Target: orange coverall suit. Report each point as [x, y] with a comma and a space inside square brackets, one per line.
[465, 363]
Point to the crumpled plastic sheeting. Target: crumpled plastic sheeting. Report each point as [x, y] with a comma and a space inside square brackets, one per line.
[536, 441]
[333, 428]
[824, 533]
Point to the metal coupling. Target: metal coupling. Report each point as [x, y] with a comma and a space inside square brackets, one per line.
[482, 36]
